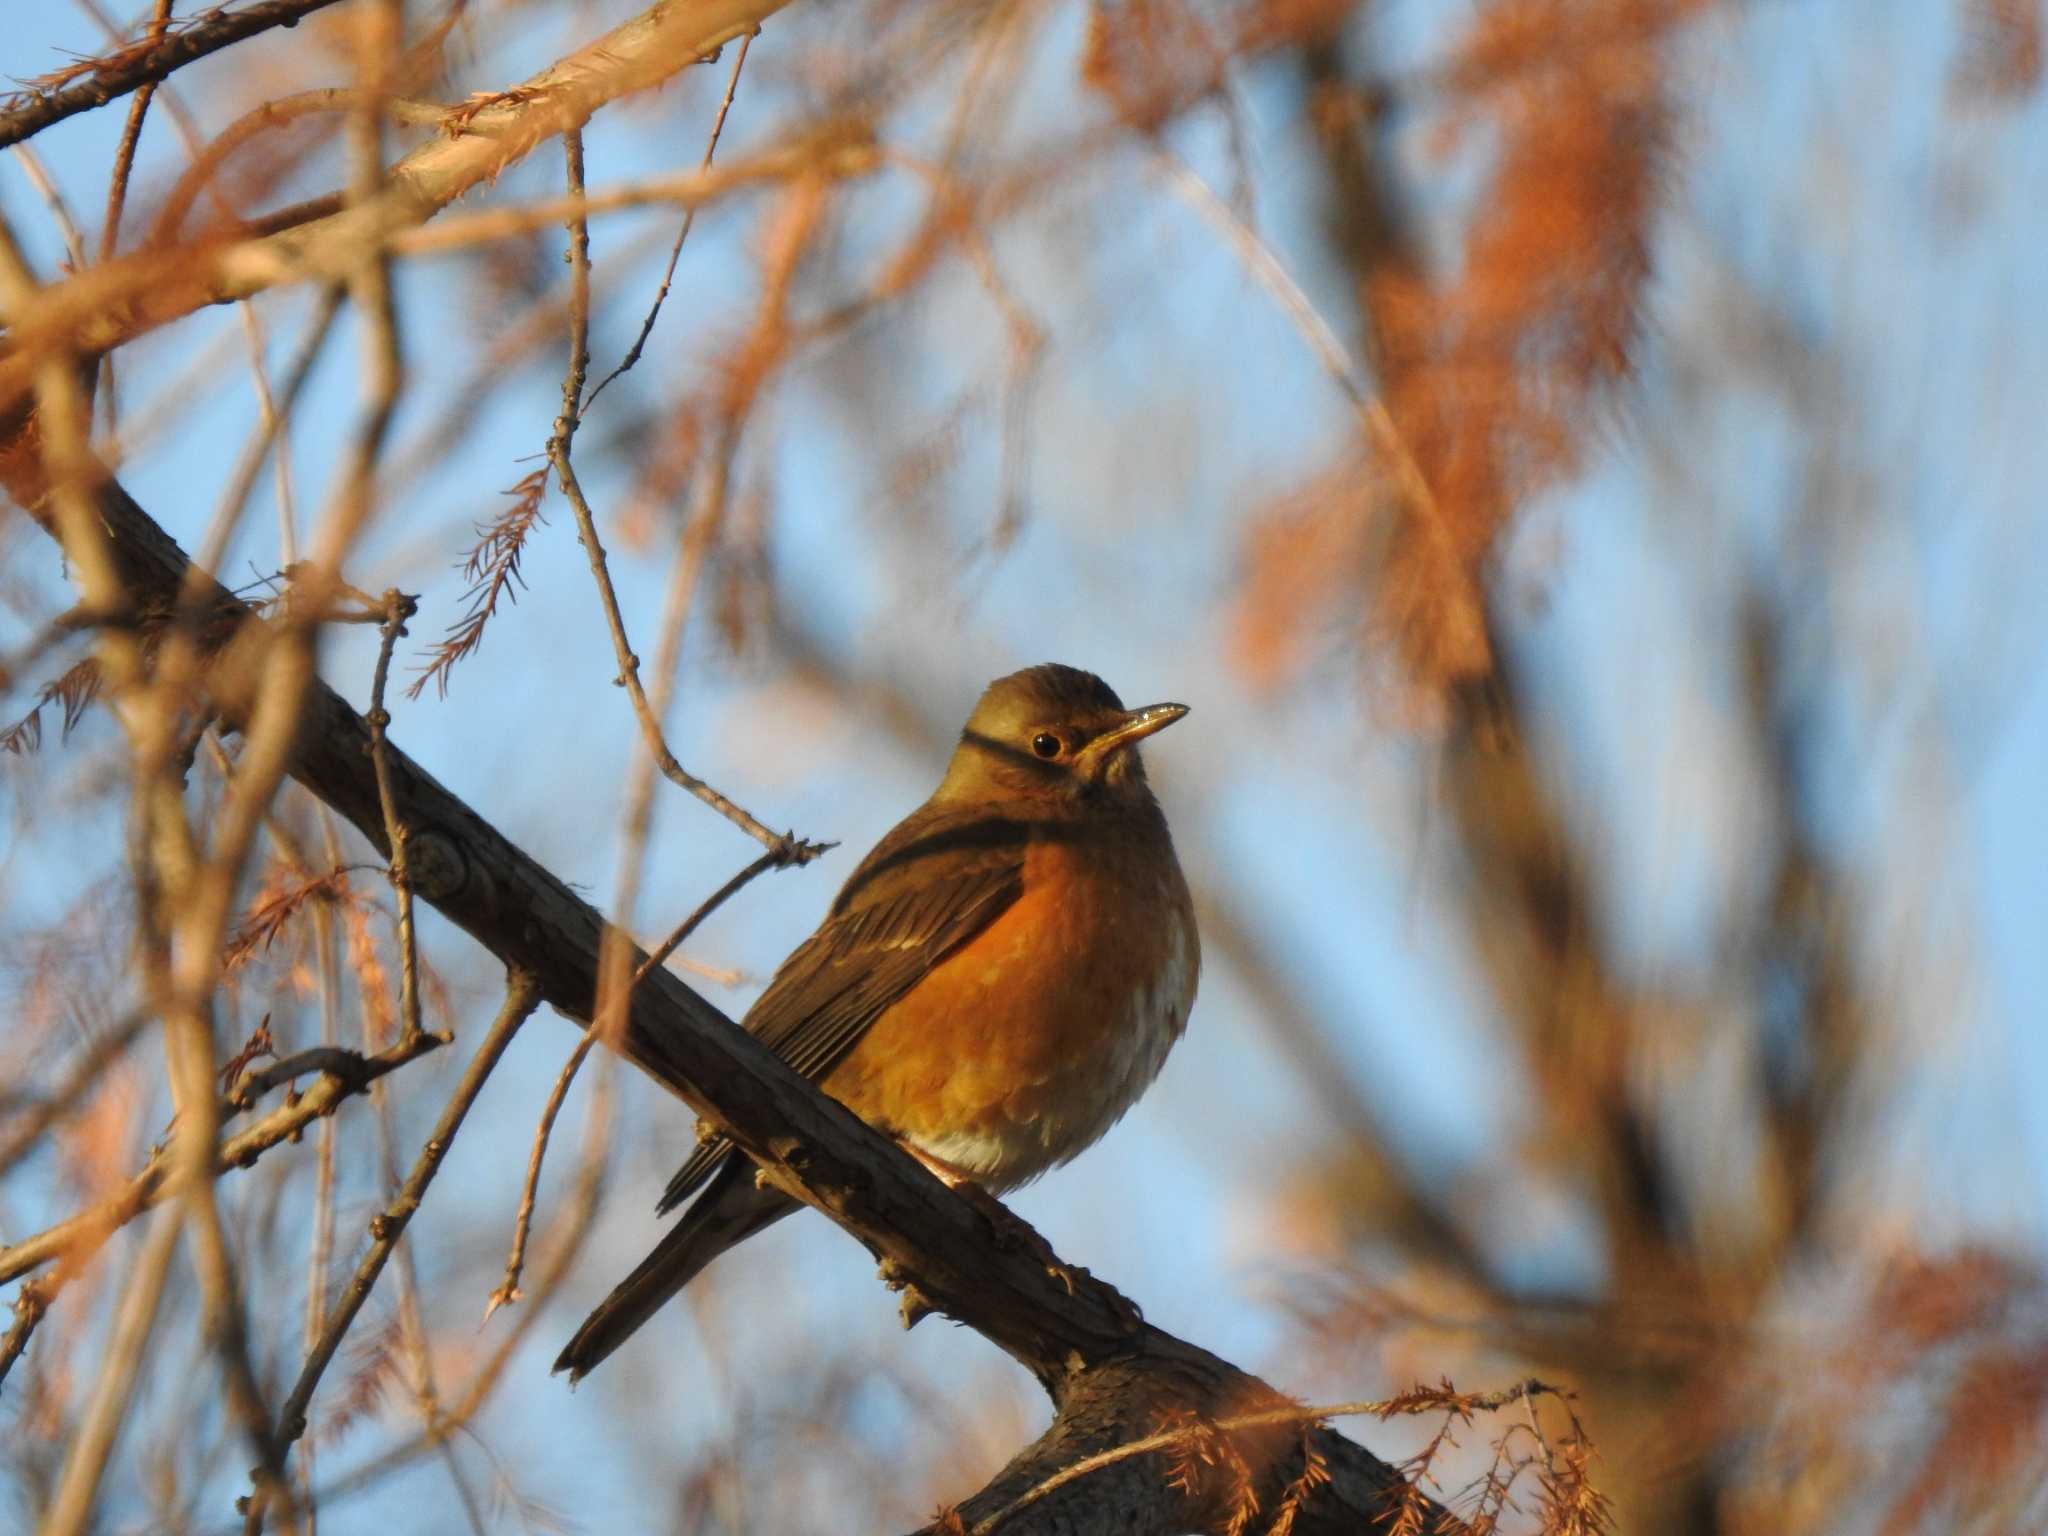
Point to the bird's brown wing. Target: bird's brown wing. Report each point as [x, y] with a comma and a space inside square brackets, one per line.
[929, 887]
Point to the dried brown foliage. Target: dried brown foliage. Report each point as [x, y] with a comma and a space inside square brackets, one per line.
[285, 894]
[73, 691]
[2000, 61]
[1151, 60]
[256, 1047]
[376, 1360]
[1300, 1489]
[1206, 1463]
[1565, 1501]
[1491, 370]
[492, 569]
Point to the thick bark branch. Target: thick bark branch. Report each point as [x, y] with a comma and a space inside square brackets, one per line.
[1112, 1378]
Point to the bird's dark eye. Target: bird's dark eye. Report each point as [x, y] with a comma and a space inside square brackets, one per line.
[1045, 744]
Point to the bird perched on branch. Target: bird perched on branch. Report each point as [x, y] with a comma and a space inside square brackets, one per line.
[994, 986]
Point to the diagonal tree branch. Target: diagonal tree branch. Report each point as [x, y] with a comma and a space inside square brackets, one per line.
[1112, 1378]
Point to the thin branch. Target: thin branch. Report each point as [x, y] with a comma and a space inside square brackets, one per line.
[131, 136]
[320, 1242]
[268, 117]
[732, 85]
[842, 150]
[508, 1292]
[95, 82]
[950, 215]
[252, 324]
[398, 607]
[788, 849]
[275, 413]
[578, 224]
[125, 298]
[1272, 274]
[75, 1239]
[60, 211]
[484, 1382]
[368, 275]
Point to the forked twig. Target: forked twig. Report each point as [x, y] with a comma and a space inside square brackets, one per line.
[787, 848]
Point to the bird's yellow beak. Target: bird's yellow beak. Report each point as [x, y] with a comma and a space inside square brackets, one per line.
[1137, 725]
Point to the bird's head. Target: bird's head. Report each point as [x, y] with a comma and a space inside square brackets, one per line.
[1054, 735]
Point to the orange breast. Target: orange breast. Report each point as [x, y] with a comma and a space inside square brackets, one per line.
[1027, 1044]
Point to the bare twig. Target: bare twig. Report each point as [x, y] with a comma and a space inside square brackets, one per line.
[578, 225]
[60, 211]
[574, 1228]
[1272, 274]
[271, 115]
[508, 1292]
[732, 85]
[252, 324]
[77, 1238]
[95, 82]
[951, 214]
[398, 607]
[275, 410]
[789, 849]
[320, 1243]
[131, 136]
[94, 312]
[69, 469]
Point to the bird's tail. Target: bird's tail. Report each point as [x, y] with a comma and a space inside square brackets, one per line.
[731, 1209]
